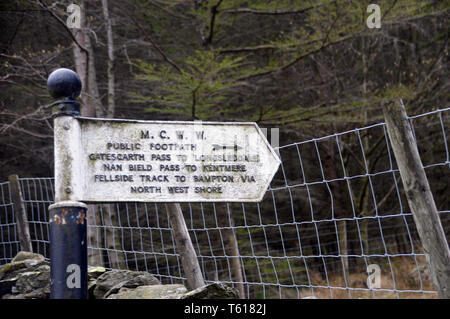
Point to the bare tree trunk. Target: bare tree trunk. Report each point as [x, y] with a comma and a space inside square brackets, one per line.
[365, 209]
[364, 199]
[92, 107]
[85, 68]
[364, 226]
[342, 232]
[94, 236]
[110, 45]
[93, 94]
[329, 161]
[224, 219]
[81, 64]
[112, 240]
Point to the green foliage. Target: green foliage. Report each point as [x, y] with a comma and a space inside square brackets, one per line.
[199, 88]
[226, 52]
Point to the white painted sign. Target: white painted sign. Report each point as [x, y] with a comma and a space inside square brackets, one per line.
[159, 161]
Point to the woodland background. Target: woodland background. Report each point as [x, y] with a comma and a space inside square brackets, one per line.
[309, 68]
[295, 65]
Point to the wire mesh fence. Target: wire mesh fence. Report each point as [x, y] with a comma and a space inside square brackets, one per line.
[335, 207]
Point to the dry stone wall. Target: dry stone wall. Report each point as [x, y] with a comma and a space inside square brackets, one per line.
[28, 277]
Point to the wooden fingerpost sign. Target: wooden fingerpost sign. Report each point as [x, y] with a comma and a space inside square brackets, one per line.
[111, 160]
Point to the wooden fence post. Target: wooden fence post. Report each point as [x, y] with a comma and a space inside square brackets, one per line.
[419, 196]
[185, 248]
[20, 214]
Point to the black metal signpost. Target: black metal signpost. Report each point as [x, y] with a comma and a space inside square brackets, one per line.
[68, 240]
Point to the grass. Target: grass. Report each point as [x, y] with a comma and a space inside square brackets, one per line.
[401, 278]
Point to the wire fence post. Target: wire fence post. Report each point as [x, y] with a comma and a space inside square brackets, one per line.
[194, 278]
[420, 198]
[20, 214]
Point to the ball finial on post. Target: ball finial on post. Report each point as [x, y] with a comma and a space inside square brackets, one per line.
[65, 83]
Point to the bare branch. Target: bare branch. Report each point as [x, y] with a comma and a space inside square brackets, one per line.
[110, 45]
[294, 61]
[214, 10]
[12, 125]
[268, 12]
[157, 47]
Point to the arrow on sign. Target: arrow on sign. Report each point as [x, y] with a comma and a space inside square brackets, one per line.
[226, 147]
